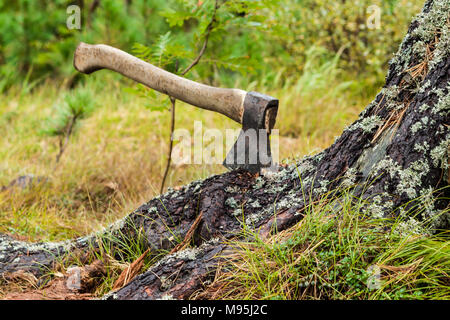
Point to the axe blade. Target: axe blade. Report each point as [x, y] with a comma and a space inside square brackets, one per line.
[250, 152]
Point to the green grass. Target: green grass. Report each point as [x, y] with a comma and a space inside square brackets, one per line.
[333, 254]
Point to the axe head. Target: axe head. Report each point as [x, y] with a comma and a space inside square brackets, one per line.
[251, 150]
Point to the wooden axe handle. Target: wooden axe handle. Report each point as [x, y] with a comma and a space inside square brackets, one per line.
[230, 102]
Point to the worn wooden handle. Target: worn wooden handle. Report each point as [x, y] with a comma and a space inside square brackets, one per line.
[89, 58]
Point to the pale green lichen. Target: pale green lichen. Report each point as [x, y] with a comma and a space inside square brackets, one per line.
[409, 227]
[424, 88]
[429, 24]
[323, 186]
[420, 49]
[416, 127]
[367, 124]
[436, 218]
[419, 125]
[422, 147]
[378, 207]
[276, 189]
[410, 179]
[232, 189]
[433, 21]
[259, 183]
[439, 154]
[152, 210]
[252, 219]
[231, 202]
[255, 204]
[237, 212]
[442, 49]
[391, 92]
[350, 178]
[442, 107]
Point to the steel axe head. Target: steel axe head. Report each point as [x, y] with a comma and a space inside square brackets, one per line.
[251, 150]
[255, 111]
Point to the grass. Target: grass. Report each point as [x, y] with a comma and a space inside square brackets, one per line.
[337, 254]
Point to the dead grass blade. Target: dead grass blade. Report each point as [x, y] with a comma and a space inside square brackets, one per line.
[187, 239]
[129, 273]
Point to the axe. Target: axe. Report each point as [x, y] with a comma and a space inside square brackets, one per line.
[256, 112]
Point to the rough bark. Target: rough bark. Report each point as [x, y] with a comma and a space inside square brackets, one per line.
[399, 144]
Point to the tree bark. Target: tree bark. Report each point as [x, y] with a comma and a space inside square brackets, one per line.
[395, 153]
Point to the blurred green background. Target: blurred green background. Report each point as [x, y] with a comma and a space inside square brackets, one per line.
[267, 42]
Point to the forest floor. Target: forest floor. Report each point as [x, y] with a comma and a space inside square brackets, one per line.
[115, 162]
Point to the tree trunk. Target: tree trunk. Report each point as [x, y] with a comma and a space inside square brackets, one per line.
[396, 152]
